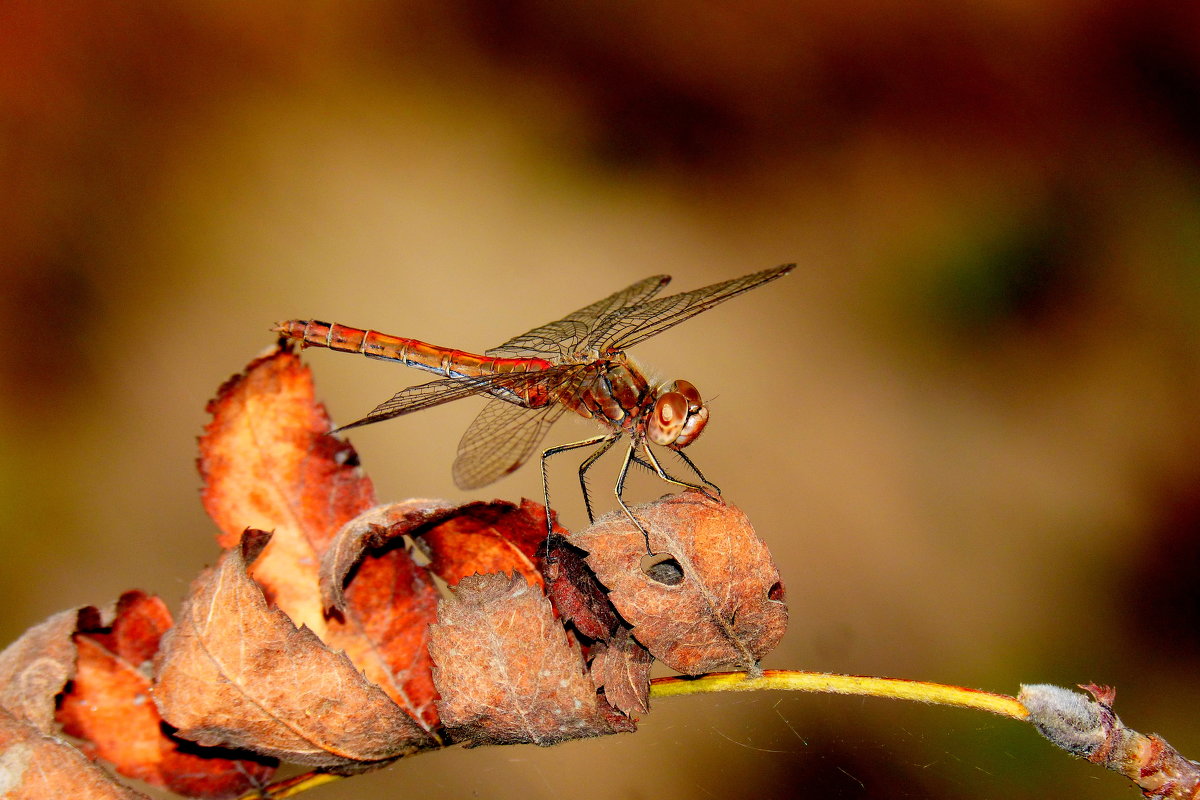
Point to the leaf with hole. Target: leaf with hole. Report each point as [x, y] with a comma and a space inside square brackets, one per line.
[709, 596]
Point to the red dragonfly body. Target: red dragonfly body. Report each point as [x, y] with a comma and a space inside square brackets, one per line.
[576, 363]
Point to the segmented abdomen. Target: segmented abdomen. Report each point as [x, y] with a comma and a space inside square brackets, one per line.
[410, 352]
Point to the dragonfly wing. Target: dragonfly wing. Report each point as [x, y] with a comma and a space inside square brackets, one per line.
[500, 440]
[505, 387]
[558, 339]
[625, 327]
[554, 340]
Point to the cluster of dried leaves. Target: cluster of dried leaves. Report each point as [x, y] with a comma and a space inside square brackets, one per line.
[341, 634]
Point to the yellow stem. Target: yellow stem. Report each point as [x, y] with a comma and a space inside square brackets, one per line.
[796, 681]
[291, 787]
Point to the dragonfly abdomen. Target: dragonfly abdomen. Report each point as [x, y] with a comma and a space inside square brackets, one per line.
[410, 352]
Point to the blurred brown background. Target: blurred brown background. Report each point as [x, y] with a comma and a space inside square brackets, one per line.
[967, 425]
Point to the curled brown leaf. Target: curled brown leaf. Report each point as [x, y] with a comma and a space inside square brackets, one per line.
[374, 529]
[507, 671]
[34, 766]
[236, 673]
[481, 538]
[108, 707]
[621, 667]
[36, 667]
[576, 594]
[713, 596]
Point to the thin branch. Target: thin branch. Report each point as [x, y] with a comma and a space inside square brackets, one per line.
[796, 681]
[290, 787]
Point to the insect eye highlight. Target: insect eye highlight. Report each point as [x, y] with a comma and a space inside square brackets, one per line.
[670, 414]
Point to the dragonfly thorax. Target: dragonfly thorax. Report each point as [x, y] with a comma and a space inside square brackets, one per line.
[616, 392]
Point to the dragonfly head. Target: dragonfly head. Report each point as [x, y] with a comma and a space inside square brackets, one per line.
[679, 416]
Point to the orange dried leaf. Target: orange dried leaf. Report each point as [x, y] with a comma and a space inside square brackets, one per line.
[236, 673]
[386, 610]
[137, 629]
[372, 530]
[268, 463]
[36, 667]
[108, 706]
[393, 601]
[481, 538]
[34, 766]
[507, 672]
[716, 599]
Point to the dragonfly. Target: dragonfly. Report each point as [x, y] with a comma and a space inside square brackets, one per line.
[577, 363]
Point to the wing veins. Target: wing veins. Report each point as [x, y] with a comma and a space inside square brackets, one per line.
[504, 386]
[499, 440]
[560, 338]
[625, 327]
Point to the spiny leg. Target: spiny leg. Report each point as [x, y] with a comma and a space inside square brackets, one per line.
[586, 465]
[641, 462]
[662, 473]
[629, 456]
[699, 474]
[562, 448]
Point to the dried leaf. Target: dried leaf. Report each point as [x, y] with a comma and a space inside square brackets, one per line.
[507, 672]
[482, 538]
[576, 594]
[34, 766]
[389, 605]
[372, 530]
[108, 706]
[236, 673]
[36, 667]
[268, 463]
[717, 598]
[137, 628]
[621, 667]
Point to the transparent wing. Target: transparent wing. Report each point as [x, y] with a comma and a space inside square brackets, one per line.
[500, 440]
[625, 327]
[506, 386]
[555, 340]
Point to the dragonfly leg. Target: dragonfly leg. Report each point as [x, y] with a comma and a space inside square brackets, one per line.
[629, 456]
[562, 448]
[641, 462]
[662, 473]
[699, 474]
[586, 465]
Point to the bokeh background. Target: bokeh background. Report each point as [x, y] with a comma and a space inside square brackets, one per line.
[967, 425]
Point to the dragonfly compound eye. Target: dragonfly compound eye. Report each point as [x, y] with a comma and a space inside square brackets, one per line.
[690, 393]
[670, 415]
[696, 420]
